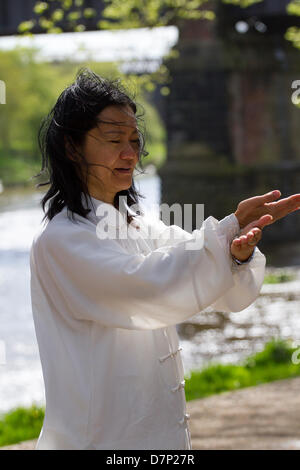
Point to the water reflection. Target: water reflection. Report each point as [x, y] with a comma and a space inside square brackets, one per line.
[226, 337]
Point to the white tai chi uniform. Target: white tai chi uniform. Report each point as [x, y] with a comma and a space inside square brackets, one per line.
[105, 314]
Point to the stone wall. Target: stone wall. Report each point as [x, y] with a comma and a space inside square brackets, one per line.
[232, 127]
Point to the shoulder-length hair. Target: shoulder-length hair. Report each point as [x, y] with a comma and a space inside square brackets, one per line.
[74, 114]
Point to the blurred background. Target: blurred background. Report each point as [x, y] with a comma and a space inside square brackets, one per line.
[218, 82]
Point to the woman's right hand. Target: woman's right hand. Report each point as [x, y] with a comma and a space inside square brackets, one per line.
[254, 208]
[242, 246]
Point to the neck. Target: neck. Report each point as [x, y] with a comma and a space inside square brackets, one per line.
[97, 194]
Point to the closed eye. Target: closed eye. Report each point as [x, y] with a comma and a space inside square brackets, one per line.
[137, 141]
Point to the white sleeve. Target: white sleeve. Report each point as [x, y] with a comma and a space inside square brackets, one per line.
[98, 280]
[168, 235]
[248, 278]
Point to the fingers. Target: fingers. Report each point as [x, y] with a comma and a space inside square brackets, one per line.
[264, 220]
[284, 206]
[265, 198]
[293, 200]
[258, 206]
[251, 238]
[254, 236]
[242, 247]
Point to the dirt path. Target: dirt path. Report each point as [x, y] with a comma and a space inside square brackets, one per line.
[263, 417]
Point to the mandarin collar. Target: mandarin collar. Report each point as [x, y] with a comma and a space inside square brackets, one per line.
[118, 217]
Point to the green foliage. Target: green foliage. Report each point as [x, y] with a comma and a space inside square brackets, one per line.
[274, 352]
[26, 26]
[57, 15]
[40, 8]
[293, 33]
[242, 3]
[278, 278]
[155, 135]
[135, 14]
[215, 379]
[16, 170]
[32, 88]
[89, 12]
[120, 14]
[273, 363]
[293, 7]
[74, 16]
[21, 424]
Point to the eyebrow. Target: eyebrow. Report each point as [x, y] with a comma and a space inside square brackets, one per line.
[135, 131]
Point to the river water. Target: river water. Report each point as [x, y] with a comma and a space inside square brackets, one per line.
[204, 338]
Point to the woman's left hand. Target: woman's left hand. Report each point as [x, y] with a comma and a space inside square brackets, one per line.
[242, 247]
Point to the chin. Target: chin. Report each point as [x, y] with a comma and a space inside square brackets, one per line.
[125, 186]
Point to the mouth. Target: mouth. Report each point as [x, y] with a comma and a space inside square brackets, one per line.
[126, 171]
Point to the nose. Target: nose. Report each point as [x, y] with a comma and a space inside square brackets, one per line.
[129, 151]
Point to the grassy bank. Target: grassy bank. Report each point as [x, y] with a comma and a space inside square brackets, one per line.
[280, 277]
[21, 424]
[273, 363]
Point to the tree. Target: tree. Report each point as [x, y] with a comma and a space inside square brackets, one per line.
[32, 88]
[293, 33]
[122, 14]
[126, 14]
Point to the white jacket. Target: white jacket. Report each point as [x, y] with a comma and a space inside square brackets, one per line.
[105, 313]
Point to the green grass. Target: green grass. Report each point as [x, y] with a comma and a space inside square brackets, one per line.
[278, 278]
[21, 424]
[273, 363]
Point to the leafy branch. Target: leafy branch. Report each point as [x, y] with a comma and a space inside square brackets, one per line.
[293, 33]
[56, 16]
[121, 14]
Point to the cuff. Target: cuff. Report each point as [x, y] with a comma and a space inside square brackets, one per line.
[229, 226]
[237, 261]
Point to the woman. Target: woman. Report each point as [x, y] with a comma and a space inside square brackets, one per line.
[105, 307]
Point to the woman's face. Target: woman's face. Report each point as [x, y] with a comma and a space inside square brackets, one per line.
[113, 147]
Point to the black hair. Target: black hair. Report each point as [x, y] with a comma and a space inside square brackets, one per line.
[74, 114]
